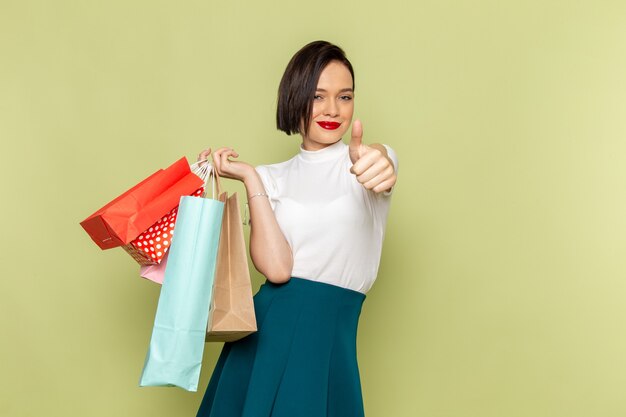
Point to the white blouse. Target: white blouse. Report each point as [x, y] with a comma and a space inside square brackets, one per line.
[334, 225]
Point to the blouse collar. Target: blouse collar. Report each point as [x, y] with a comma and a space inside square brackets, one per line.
[330, 152]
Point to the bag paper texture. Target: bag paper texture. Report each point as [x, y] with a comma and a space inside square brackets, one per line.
[175, 354]
[231, 315]
[126, 217]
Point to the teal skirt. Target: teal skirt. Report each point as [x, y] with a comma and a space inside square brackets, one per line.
[301, 362]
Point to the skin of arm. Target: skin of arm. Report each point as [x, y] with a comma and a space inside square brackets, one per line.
[269, 250]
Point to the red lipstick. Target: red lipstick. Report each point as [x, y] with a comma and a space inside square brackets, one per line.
[329, 125]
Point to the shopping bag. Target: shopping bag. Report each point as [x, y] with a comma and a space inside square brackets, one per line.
[123, 219]
[174, 356]
[231, 315]
[155, 273]
[152, 244]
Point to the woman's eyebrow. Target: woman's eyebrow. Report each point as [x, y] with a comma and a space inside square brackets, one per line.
[343, 90]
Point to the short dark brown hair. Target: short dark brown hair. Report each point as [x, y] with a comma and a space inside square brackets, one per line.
[299, 83]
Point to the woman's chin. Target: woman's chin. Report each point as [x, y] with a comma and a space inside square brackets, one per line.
[330, 136]
[315, 144]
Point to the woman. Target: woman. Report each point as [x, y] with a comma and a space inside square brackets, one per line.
[317, 227]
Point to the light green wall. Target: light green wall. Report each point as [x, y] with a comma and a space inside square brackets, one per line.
[502, 286]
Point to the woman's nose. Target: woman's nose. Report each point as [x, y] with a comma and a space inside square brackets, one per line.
[331, 109]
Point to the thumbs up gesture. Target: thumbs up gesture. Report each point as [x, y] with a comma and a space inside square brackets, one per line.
[370, 163]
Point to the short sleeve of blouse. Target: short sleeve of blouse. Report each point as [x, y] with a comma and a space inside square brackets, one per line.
[268, 183]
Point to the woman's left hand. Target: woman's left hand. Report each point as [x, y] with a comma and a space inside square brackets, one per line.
[225, 167]
[371, 164]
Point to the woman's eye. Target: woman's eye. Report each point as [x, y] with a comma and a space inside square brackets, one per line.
[317, 97]
[346, 98]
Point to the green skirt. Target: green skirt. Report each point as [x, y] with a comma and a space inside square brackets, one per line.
[301, 362]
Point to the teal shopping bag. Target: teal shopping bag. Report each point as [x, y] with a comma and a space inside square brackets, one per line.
[175, 354]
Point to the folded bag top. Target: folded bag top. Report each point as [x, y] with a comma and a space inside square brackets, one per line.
[127, 216]
[151, 246]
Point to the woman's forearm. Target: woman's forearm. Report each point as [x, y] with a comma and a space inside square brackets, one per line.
[269, 249]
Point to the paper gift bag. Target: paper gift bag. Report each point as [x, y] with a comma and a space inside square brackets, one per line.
[231, 315]
[127, 216]
[155, 273]
[175, 353]
[151, 246]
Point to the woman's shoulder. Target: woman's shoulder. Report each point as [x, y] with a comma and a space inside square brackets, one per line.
[271, 174]
[275, 168]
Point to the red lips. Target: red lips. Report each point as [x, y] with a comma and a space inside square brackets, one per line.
[329, 125]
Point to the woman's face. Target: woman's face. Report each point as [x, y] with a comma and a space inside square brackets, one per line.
[333, 107]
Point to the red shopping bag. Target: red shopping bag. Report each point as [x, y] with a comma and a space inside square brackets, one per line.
[126, 217]
[151, 245]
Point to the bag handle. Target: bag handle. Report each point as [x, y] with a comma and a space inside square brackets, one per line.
[206, 171]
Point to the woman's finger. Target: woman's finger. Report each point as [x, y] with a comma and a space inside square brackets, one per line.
[225, 162]
[385, 175]
[385, 185]
[374, 170]
[369, 158]
[222, 163]
[204, 155]
[220, 160]
[217, 160]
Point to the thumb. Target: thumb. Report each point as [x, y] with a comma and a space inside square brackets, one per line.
[356, 140]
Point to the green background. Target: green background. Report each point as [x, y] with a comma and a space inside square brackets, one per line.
[502, 286]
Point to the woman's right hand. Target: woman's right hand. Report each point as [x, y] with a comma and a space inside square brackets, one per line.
[236, 170]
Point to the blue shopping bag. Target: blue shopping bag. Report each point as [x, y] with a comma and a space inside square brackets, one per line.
[175, 354]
